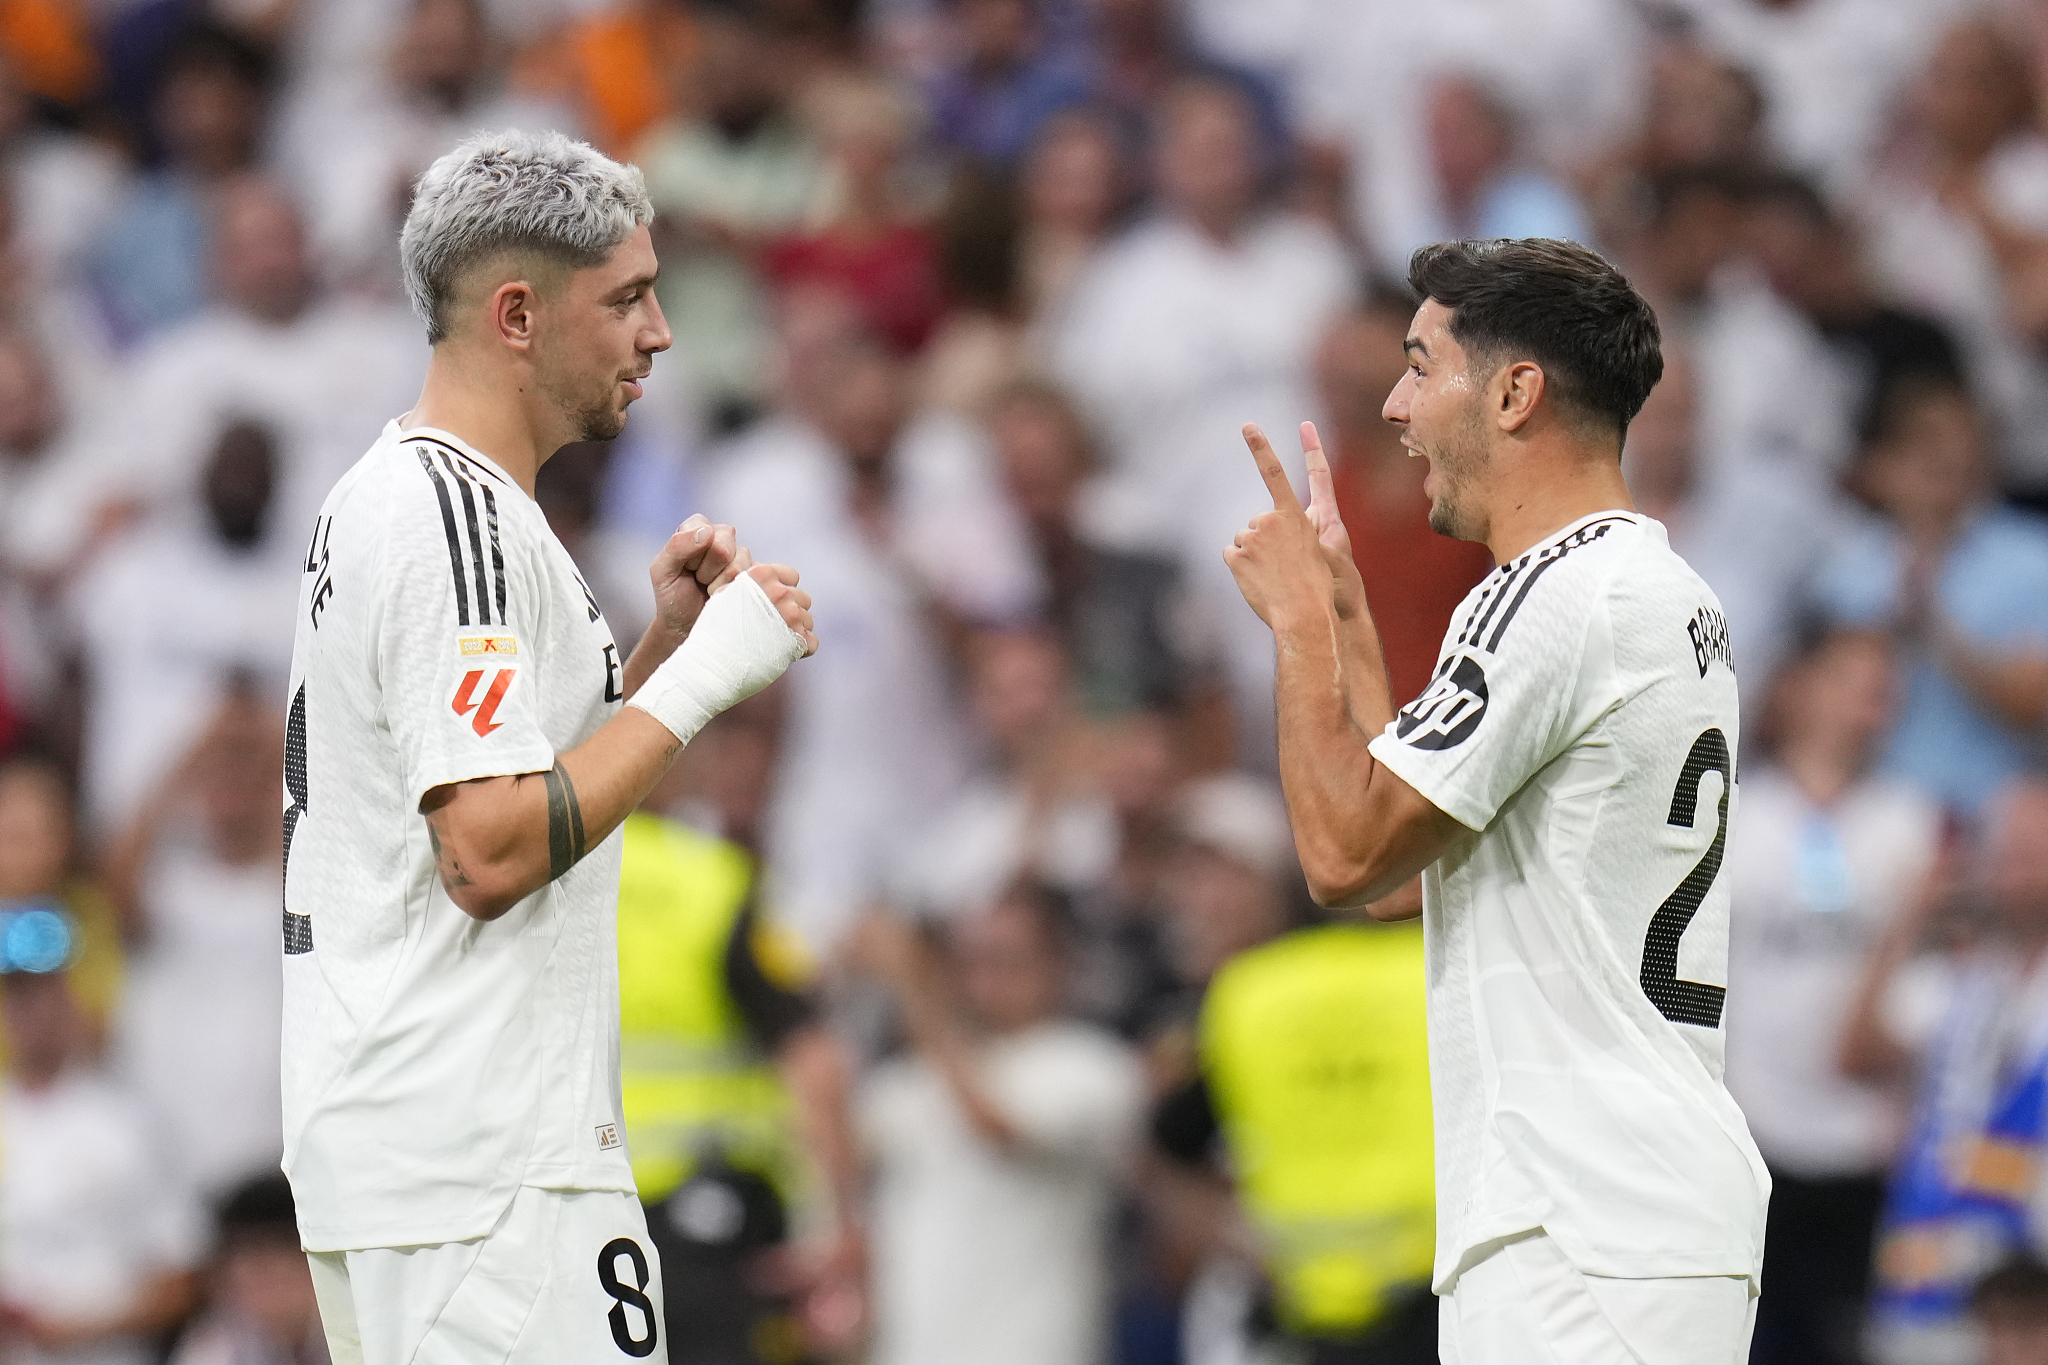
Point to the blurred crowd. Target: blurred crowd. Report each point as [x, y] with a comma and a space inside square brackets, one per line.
[1004, 1030]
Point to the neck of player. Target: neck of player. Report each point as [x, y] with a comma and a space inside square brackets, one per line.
[494, 407]
[1536, 491]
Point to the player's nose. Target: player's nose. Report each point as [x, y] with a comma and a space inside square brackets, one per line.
[1395, 408]
[657, 336]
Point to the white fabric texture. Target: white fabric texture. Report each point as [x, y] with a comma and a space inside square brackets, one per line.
[992, 1257]
[1524, 1304]
[531, 1293]
[1583, 727]
[433, 1062]
[739, 645]
[87, 1211]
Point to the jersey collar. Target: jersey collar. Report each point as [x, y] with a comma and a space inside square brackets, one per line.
[401, 435]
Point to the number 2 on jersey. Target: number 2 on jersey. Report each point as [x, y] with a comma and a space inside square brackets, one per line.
[1689, 1002]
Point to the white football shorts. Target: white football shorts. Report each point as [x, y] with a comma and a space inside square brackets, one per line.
[567, 1276]
[1524, 1304]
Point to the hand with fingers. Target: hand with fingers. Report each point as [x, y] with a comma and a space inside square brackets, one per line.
[1282, 561]
[1329, 527]
[700, 557]
[779, 581]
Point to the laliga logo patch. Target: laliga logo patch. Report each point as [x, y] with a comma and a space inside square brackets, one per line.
[1448, 711]
[486, 707]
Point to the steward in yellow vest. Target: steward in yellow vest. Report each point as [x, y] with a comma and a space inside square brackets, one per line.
[1315, 1076]
[734, 1096]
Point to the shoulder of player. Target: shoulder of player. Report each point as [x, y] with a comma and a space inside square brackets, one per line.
[1542, 592]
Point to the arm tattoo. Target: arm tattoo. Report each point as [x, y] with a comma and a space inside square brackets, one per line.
[452, 875]
[565, 822]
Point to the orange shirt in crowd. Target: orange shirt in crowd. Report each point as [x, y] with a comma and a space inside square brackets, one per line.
[1414, 578]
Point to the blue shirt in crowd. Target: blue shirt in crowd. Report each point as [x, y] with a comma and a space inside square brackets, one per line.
[1994, 589]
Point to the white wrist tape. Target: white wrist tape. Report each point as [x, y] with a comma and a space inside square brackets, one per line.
[739, 645]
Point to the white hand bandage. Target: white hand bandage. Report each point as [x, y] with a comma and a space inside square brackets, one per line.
[739, 645]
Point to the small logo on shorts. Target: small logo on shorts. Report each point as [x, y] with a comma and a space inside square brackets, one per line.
[607, 1136]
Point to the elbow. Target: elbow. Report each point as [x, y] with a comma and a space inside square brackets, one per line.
[483, 902]
[1338, 879]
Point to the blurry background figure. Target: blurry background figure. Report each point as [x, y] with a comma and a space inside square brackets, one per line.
[997, 1145]
[613, 560]
[905, 540]
[729, 172]
[98, 1239]
[207, 101]
[1008, 74]
[1961, 579]
[1073, 186]
[41, 867]
[1192, 323]
[1414, 577]
[195, 878]
[736, 1108]
[2011, 1308]
[1971, 1029]
[1484, 187]
[1311, 1099]
[1828, 857]
[259, 1305]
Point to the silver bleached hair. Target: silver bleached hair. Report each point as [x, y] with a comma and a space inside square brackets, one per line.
[543, 192]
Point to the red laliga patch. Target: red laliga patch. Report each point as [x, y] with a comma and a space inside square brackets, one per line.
[466, 699]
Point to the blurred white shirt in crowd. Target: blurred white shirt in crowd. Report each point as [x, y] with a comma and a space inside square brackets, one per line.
[997, 1259]
[1364, 70]
[162, 615]
[873, 743]
[88, 1210]
[1173, 342]
[324, 384]
[1771, 393]
[1814, 887]
[1939, 262]
[202, 1008]
[1832, 71]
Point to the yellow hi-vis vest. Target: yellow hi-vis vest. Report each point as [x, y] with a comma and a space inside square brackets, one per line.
[1316, 1051]
[691, 1080]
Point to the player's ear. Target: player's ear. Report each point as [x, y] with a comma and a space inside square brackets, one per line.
[1516, 390]
[512, 313]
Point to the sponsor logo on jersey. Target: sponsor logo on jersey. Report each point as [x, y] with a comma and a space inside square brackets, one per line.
[472, 645]
[1449, 709]
[1708, 630]
[485, 706]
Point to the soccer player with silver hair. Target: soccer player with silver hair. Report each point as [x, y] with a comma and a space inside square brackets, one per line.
[1563, 787]
[464, 740]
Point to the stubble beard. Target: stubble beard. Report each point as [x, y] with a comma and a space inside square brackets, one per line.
[1456, 461]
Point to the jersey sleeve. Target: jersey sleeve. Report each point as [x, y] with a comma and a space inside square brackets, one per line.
[455, 631]
[1505, 700]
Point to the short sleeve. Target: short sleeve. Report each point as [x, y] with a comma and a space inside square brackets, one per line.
[1502, 703]
[455, 632]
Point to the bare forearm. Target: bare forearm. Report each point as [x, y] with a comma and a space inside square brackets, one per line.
[937, 1038]
[501, 839]
[1328, 673]
[656, 644]
[815, 1070]
[2013, 687]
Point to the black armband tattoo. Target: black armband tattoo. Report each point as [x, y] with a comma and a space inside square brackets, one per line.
[565, 822]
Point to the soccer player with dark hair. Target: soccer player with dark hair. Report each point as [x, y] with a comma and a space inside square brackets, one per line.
[1563, 786]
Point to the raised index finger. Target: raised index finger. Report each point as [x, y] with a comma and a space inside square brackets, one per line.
[1322, 490]
[1271, 470]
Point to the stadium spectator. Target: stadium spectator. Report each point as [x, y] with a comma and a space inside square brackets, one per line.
[1008, 75]
[2011, 1308]
[195, 878]
[42, 865]
[259, 1298]
[731, 171]
[1113, 608]
[612, 559]
[1074, 185]
[1830, 855]
[868, 239]
[997, 1147]
[1965, 583]
[98, 1241]
[1971, 1030]
[1960, 227]
[225, 594]
[59, 187]
[981, 343]
[149, 263]
[1415, 577]
[1192, 323]
[1483, 187]
[901, 531]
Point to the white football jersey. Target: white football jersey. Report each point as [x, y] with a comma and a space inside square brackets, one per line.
[1582, 726]
[434, 1063]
